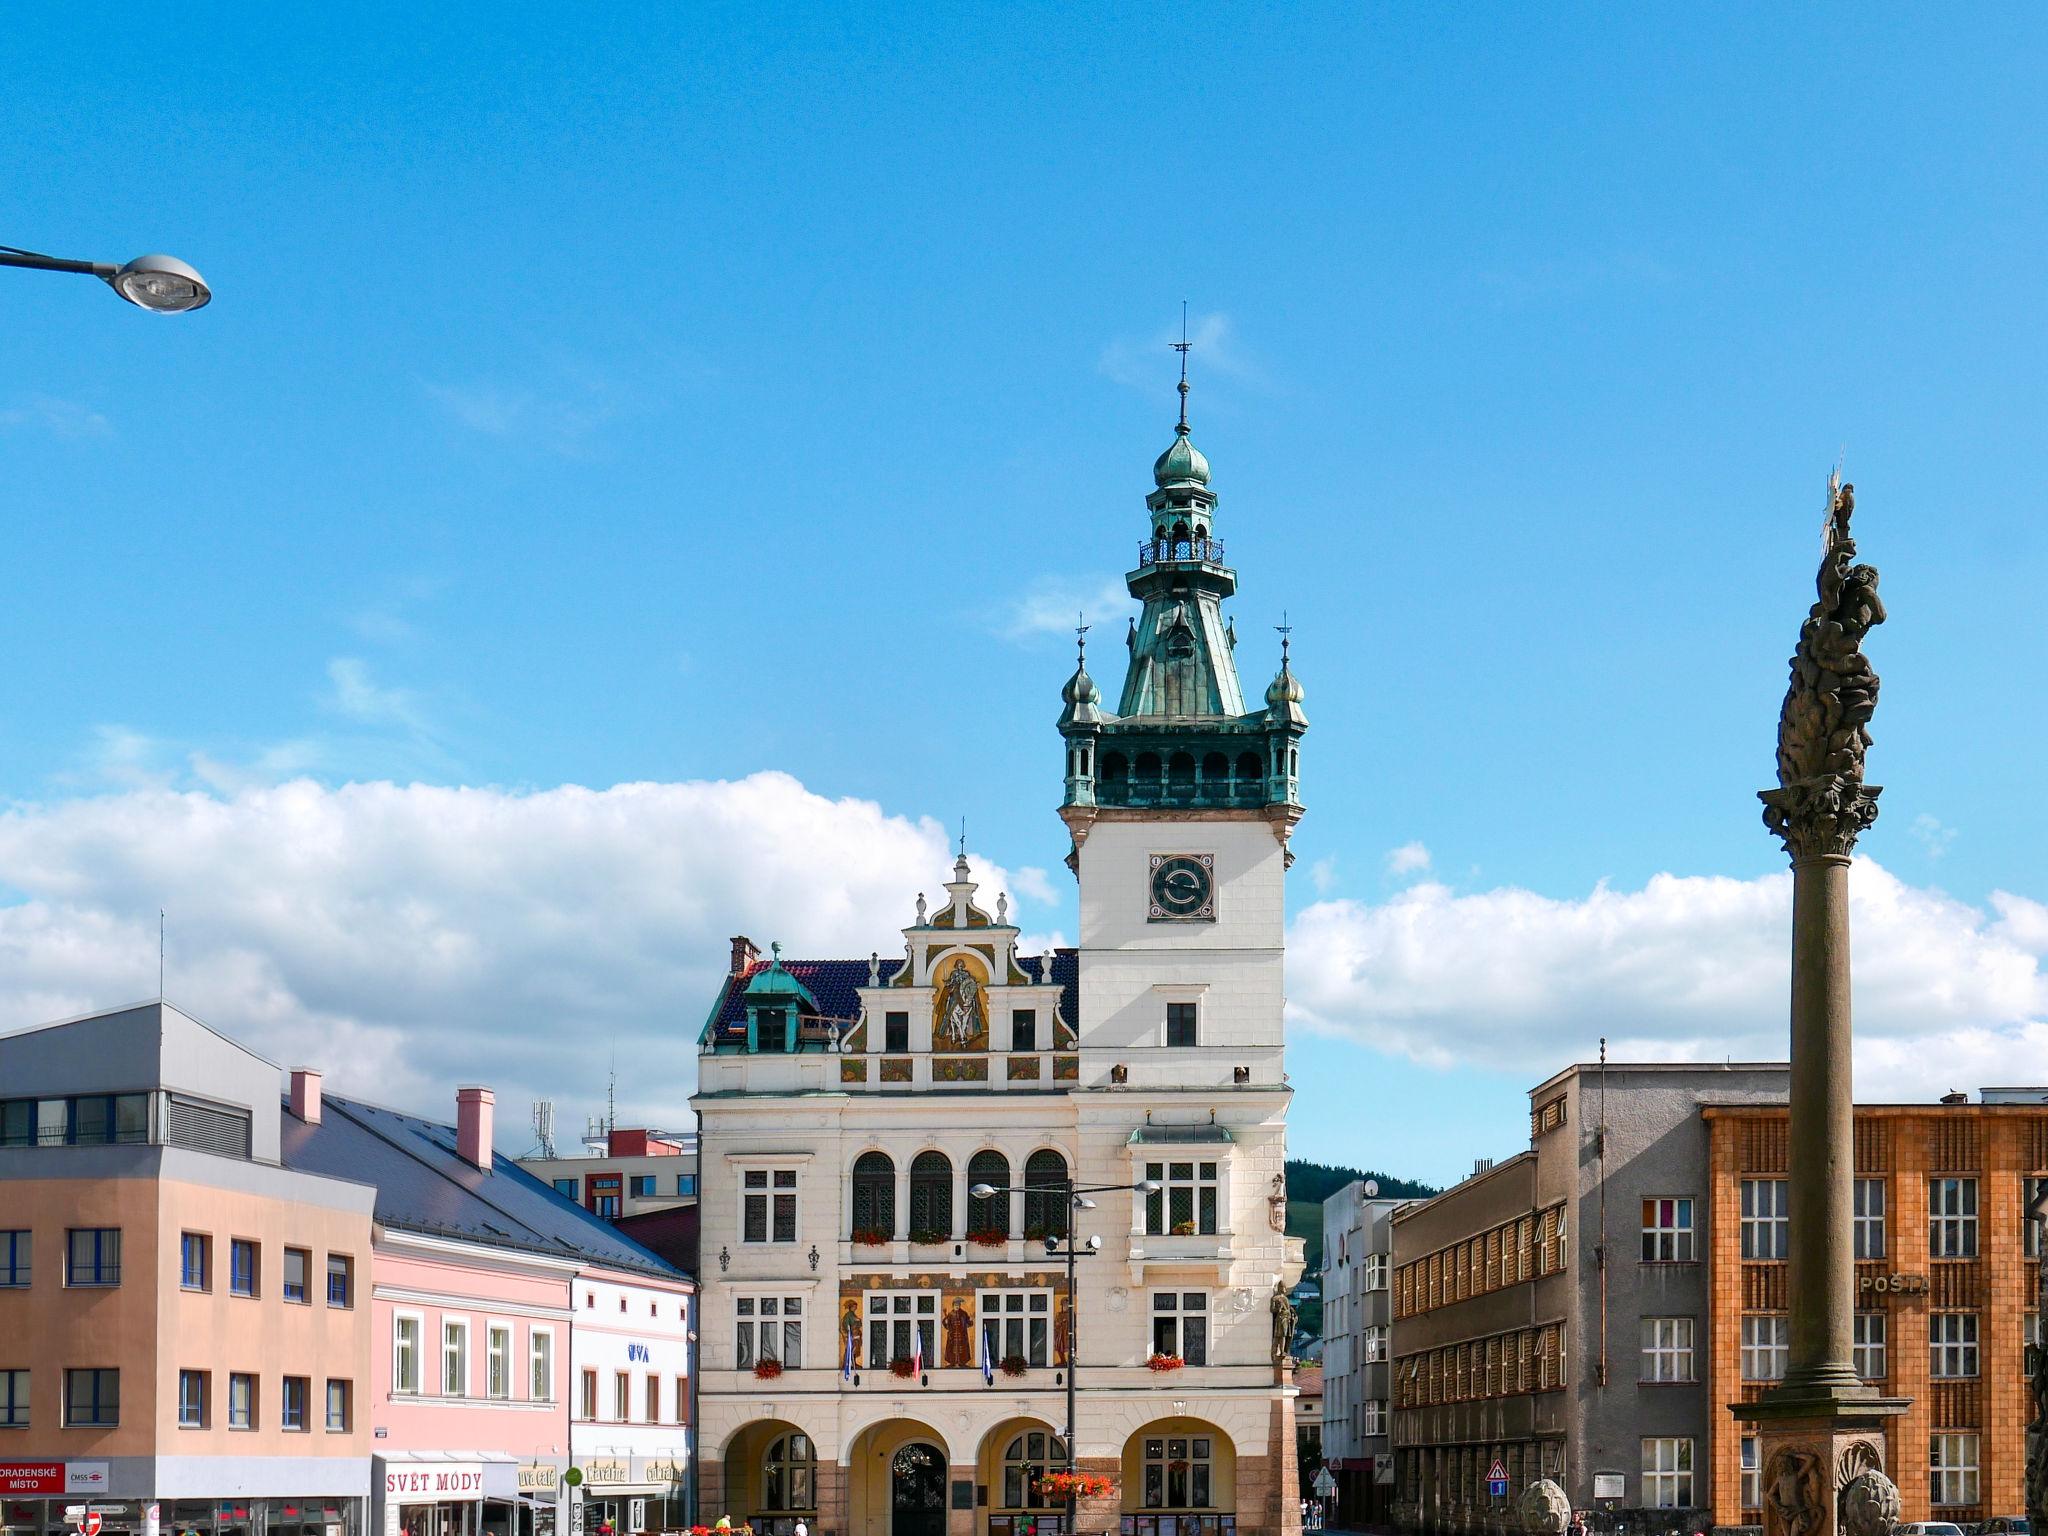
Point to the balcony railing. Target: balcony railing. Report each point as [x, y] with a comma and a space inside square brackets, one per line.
[1172, 551]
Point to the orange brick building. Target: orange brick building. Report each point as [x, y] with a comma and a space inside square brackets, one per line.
[1946, 1285]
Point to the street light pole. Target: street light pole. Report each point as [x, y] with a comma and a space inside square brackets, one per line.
[161, 284]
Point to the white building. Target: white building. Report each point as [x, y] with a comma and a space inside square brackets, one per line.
[629, 1362]
[885, 1354]
[1358, 1315]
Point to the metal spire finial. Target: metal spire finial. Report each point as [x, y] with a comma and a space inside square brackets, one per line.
[1081, 628]
[963, 837]
[1181, 347]
[1286, 631]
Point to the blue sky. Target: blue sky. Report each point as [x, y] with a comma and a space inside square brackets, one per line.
[676, 395]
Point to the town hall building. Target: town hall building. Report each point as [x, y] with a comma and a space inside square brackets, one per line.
[885, 1351]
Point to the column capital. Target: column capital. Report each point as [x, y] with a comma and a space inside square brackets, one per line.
[1820, 818]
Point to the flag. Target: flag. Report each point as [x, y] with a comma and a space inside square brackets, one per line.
[988, 1363]
[917, 1352]
[846, 1366]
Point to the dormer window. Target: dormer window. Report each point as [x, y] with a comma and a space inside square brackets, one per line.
[771, 1029]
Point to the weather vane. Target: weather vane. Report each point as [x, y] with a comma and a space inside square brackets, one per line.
[1286, 630]
[1181, 347]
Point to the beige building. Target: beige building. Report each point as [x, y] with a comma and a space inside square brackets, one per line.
[886, 1353]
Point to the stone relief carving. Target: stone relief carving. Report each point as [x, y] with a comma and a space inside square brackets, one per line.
[1241, 1300]
[1276, 1203]
[1545, 1509]
[1119, 1298]
[1821, 804]
[1870, 1504]
[1792, 1493]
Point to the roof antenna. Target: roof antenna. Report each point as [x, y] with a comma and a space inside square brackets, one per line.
[1181, 347]
[159, 954]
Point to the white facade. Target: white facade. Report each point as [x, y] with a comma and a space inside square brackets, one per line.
[629, 1385]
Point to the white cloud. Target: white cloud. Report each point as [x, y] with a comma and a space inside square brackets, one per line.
[1148, 363]
[1932, 834]
[1408, 859]
[410, 937]
[1052, 605]
[65, 419]
[1323, 874]
[1689, 967]
[563, 419]
[356, 695]
[1033, 884]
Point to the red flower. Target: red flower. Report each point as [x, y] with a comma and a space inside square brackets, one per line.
[1166, 1362]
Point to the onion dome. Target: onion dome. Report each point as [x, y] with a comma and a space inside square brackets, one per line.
[1083, 699]
[1181, 464]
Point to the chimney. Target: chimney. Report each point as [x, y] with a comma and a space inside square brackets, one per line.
[306, 1094]
[744, 954]
[473, 1125]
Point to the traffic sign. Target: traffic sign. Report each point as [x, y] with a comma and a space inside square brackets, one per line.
[89, 1523]
[1325, 1484]
[1496, 1473]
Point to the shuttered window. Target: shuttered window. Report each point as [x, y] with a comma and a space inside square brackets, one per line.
[207, 1129]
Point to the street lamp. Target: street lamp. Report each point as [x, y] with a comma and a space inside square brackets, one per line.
[160, 284]
[1075, 1200]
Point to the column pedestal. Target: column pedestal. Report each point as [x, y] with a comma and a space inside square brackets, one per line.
[1810, 1450]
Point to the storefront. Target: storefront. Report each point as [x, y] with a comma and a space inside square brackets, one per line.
[626, 1495]
[62, 1498]
[429, 1493]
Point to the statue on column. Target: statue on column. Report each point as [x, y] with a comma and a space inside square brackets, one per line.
[1283, 1321]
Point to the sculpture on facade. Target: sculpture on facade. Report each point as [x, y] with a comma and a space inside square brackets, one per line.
[1545, 1509]
[1869, 1505]
[1282, 1309]
[1276, 1204]
[1821, 803]
[1792, 1502]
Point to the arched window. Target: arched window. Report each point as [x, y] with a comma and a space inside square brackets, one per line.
[1147, 768]
[1248, 769]
[1180, 771]
[786, 1474]
[1113, 768]
[992, 1214]
[874, 1194]
[1215, 769]
[931, 1198]
[1177, 1471]
[1027, 1459]
[1045, 1201]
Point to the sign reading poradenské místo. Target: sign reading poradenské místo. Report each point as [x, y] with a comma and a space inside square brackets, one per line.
[31, 1477]
[430, 1483]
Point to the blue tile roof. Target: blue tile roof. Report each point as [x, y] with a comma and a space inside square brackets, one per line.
[836, 984]
[424, 1185]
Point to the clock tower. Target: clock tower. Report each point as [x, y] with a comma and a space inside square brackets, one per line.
[1180, 805]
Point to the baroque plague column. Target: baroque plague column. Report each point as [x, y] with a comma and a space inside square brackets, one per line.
[1822, 1429]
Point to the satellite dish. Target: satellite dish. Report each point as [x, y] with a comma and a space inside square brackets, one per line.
[1372, 1187]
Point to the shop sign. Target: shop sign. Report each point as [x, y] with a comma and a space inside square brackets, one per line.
[538, 1476]
[31, 1477]
[607, 1474]
[431, 1484]
[85, 1477]
[659, 1469]
[1900, 1285]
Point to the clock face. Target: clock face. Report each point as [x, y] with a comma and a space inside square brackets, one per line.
[1183, 888]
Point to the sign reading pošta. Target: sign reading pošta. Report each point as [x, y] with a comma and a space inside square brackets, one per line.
[429, 1484]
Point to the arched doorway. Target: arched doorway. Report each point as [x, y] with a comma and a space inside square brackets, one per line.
[768, 1478]
[917, 1490]
[1179, 1474]
[1014, 1457]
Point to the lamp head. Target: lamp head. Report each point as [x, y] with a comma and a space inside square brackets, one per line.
[1147, 1186]
[982, 1191]
[1095, 1243]
[1083, 1203]
[161, 284]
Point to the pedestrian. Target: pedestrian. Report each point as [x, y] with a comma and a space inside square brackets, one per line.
[801, 1528]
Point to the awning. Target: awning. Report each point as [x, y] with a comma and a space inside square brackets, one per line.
[1179, 1135]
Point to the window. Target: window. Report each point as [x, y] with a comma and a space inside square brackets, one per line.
[654, 1399]
[93, 1256]
[91, 1119]
[605, 1207]
[92, 1397]
[405, 1354]
[1373, 1345]
[341, 1280]
[297, 1265]
[1952, 1219]
[540, 1366]
[1187, 1203]
[195, 1261]
[787, 1482]
[768, 1210]
[14, 1256]
[340, 1396]
[1871, 1329]
[686, 1184]
[931, 1198]
[770, 1328]
[1752, 1473]
[1952, 1469]
[13, 1399]
[1177, 1471]
[874, 1195]
[682, 1397]
[1667, 1349]
[191, 1399]
[1766, 1341]
[902, 1325]
[1667, 1473]
[1870, 1218]
[1180, 1325]
[241, 1401]
[454, 1359]
[1376, 1271]
[1952, 1344]
[1181, 1024]
[1045, 1194]
[2031, 1190]
[293, 1402]
[989, 1215]
[242, 1267]
[1372, 1417]
[896, 1032]
[1024, 1029]
[1765, 1225]
[498, 1361]
[622, 1397]
[1026, 1460]
[1667, 1231]
[640, 1186]
[571, 1188]
[1017, 1325]
[589, 1396]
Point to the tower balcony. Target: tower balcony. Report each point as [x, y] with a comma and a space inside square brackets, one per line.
[1180, 552]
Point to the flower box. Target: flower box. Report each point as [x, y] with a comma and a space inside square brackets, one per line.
[1183, 1229]
[989, 1237]
[929, 1236]
[904, 1366]
[767, 1370]
[1015, 1365]
[870, 1237]
[1079, 1485]
[1166, 1362]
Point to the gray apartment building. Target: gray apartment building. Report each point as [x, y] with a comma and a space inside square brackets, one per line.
[1550, 1312]
[1358, 1315]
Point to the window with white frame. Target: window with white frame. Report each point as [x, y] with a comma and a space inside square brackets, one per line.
[498, 1360]
[1752, 1473]
[768, 1205]
[1872, 1331]
[622, 1397]
[1185, 1205]
[1766, 1343]
[1376, 1271]
[769, 1328]
[1373, 1416]
[902, 1325]
[1180, 1325]
[1951, 1469]
[1952, 1344]
[405, 1354]
[454, 1358]
[587, 1396]
[1667, 1349]
[1667, 1230]
[1869, 1209]
[1952, 1218]
[1766, 1222]
[1373, 1345]
[540, 1366]
[1017, 1325]
[1667, 1473]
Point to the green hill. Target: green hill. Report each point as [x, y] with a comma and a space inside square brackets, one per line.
[1308, 1186]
